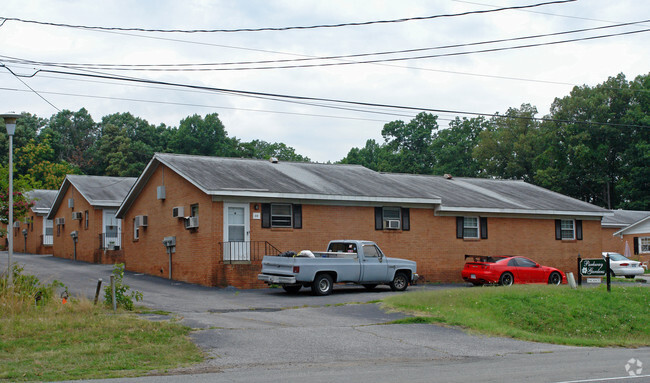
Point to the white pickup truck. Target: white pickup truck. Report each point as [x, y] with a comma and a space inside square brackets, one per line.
[354, 261]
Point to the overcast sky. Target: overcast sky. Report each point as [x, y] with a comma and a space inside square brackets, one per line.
[478, 82]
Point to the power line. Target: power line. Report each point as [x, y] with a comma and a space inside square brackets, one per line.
[335, 101]
[489, 50]
[362, 23]
[240, 95]
[319, 58]
[538, 12]
[226, 107]
[31, 89]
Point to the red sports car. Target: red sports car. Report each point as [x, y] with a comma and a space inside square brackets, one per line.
[506, 270]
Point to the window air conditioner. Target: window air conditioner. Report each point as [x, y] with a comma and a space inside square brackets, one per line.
[76, 215]
[141, 220]
[393, 224]
[59, 221]
[191, 222]
[17, 224]
[178, 212]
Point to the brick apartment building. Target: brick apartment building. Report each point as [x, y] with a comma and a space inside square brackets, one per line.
[85, 207]
[34, 234]
[637, 236]
[616, 221]
[224, 214]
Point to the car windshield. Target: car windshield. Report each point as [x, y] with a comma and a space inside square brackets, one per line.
[617, 257]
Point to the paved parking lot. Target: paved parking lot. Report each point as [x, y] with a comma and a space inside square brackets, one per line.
[248, 334]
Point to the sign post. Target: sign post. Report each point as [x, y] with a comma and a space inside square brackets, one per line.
[596, 267]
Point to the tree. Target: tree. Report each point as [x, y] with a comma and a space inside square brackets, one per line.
[199, 136]
[21, 204]
[73, 135]
[265, 150]
[27, 128]
[586, 148]
[373, 156]
[508, 148]
[36, 163]
[453, 147]
[410, 144]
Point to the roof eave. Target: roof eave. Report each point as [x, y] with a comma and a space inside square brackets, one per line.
[323, 197]
[445, 210]
[635, 224]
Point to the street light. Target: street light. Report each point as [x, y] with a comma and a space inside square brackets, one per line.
[10, 123]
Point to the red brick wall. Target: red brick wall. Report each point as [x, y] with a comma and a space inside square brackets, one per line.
[88, 240]
[432, 241]
[612, 243]
[34, 236]
[195, 260]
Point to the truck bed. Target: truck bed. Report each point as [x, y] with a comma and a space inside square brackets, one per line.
[345, 265]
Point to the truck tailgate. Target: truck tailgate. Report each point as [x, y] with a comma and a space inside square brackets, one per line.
[278, 265]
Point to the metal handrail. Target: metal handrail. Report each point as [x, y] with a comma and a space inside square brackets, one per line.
[245, 251]
[110, 242]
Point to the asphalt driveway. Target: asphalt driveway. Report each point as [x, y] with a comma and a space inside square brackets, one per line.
[251, 333]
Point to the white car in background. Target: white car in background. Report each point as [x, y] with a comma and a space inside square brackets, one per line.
[622, 266]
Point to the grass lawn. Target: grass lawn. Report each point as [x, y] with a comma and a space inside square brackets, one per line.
[540, 313]
[48, 340]
[78, 340]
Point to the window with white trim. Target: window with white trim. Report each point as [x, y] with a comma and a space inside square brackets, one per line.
[470, 227]
[567, 229]
[136, 231]
[644, 244]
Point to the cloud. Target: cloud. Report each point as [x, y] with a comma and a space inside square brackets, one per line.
[487, 83]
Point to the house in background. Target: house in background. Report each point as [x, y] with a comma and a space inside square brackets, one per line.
[34, 234]
[83, 214]
[615, 222]
[209, 220]
[637, 235]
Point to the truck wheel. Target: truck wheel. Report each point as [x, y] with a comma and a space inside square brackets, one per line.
[292, 289]
[322, 285]
[400, 282]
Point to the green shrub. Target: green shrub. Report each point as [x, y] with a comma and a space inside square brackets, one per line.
[123, 297]
[26, 291]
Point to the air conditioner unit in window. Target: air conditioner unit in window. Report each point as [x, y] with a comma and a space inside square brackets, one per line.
[17, 224]
[191, 222]
[393, 224]
[76, 215]
[178, 212]
[141, 220]
[59, 221]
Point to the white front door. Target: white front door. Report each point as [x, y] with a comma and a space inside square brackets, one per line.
[111, 229]
[236, 232]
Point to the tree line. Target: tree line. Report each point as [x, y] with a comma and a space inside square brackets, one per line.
[594, 145]
[45, 150]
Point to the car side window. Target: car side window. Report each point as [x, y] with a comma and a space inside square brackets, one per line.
[370, 251]
[523, 262]
[512, 262]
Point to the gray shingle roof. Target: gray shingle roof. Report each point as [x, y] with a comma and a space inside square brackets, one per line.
[325, 182]
[216, 175]
[43, 200]
[497, 196]
[623, 218]
[99, 191]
